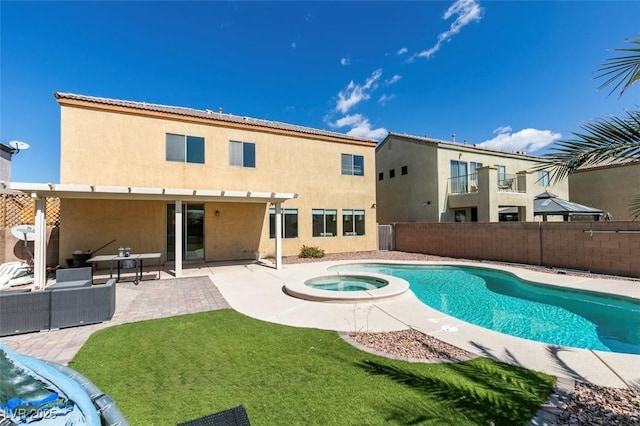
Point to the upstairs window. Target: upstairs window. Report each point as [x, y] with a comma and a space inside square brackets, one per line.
[352, 165]
[404, 170]
[502, 173]
[289, 223]
[242, 154]
[352, 222]
[543, 178]
[392, 173]
[473, 167]
[184, 149]
[325, 222]
[381, 176]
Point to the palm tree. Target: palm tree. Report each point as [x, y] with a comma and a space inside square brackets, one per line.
[605, 140]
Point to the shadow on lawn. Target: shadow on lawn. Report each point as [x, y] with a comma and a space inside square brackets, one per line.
[554, 353]
[483, 392]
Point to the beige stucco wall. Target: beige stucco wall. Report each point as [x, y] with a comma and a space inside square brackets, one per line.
[410, 197]
[88, 224]
[607, 188]
[113, 148]
[404, 199]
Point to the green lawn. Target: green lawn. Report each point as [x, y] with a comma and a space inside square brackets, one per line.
[165, 371]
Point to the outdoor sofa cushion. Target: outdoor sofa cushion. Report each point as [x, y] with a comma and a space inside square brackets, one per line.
[74, 274]
[69, 284]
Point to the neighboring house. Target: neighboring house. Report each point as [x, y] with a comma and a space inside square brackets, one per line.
[420, 179]
[610, 187]
[204, 185]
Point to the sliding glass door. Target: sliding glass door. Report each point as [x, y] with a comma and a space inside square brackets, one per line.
[192, 231]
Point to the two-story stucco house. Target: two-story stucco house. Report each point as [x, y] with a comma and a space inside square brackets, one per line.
[421, 179]
[611, 186]
[205, 185]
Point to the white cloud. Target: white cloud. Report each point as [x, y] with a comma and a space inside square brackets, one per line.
[385, 98]
[527, 140]
[353, 94]
[360, 127]
[294, 45]
[402, 51]
[502, 129]
[345, 61]
[393, 80]
[467, 11]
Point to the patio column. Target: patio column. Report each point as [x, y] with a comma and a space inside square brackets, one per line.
[178, 243]
[40, 244]
[488, 194]
[278, 220]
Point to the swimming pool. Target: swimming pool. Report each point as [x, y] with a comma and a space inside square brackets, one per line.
[502, 302]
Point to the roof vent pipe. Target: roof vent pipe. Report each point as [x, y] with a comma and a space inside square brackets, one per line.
[453, 138]
[219, 110]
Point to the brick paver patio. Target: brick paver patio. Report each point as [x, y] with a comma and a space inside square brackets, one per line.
[149, 300]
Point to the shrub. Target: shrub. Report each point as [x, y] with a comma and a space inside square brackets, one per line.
[307, 251]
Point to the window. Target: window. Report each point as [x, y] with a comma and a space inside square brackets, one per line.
[392, 173]
[352, 165]
[473, 166]
[325, 222]
[289, 223]
[242, 154]
[404, 170]
[185, 149]
[460, 215]
[543, 178]
[352, 222]
[380, 175]
[502, 173]
[458, 177]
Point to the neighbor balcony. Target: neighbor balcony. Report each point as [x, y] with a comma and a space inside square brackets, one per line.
[469, 184]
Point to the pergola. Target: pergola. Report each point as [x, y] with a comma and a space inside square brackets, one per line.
[548, 204]
[41, 191]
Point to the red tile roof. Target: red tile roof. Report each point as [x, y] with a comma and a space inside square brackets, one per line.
[211, 115]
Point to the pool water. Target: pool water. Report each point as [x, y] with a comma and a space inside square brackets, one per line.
[500, 301]
[345, 283]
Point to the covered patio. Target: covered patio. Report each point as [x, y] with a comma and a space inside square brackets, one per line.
[177, 196]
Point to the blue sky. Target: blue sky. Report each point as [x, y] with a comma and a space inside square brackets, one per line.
[510, 75]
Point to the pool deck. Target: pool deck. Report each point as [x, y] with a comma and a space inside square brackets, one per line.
[256, 290]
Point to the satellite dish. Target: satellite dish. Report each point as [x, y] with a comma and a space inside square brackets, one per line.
[24, 232]
[18, 145]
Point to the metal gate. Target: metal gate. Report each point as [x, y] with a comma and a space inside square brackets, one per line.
[385, 237]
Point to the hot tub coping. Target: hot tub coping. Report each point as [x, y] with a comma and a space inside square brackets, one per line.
[297, 288]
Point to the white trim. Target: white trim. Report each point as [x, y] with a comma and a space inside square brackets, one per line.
[278, 220]
[178, 239]
[145, 193]
[40, 245]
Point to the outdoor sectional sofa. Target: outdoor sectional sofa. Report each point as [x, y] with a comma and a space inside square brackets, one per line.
[70, 302]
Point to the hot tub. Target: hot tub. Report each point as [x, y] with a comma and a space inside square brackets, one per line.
[351, 287]
[346, 283]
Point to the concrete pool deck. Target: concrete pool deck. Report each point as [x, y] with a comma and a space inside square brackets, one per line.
[256, 291]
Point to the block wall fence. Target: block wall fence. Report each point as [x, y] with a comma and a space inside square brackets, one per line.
[602, 247]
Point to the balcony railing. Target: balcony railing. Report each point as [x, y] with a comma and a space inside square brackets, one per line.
[469, 184]
[463, 184]
[509, 183]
